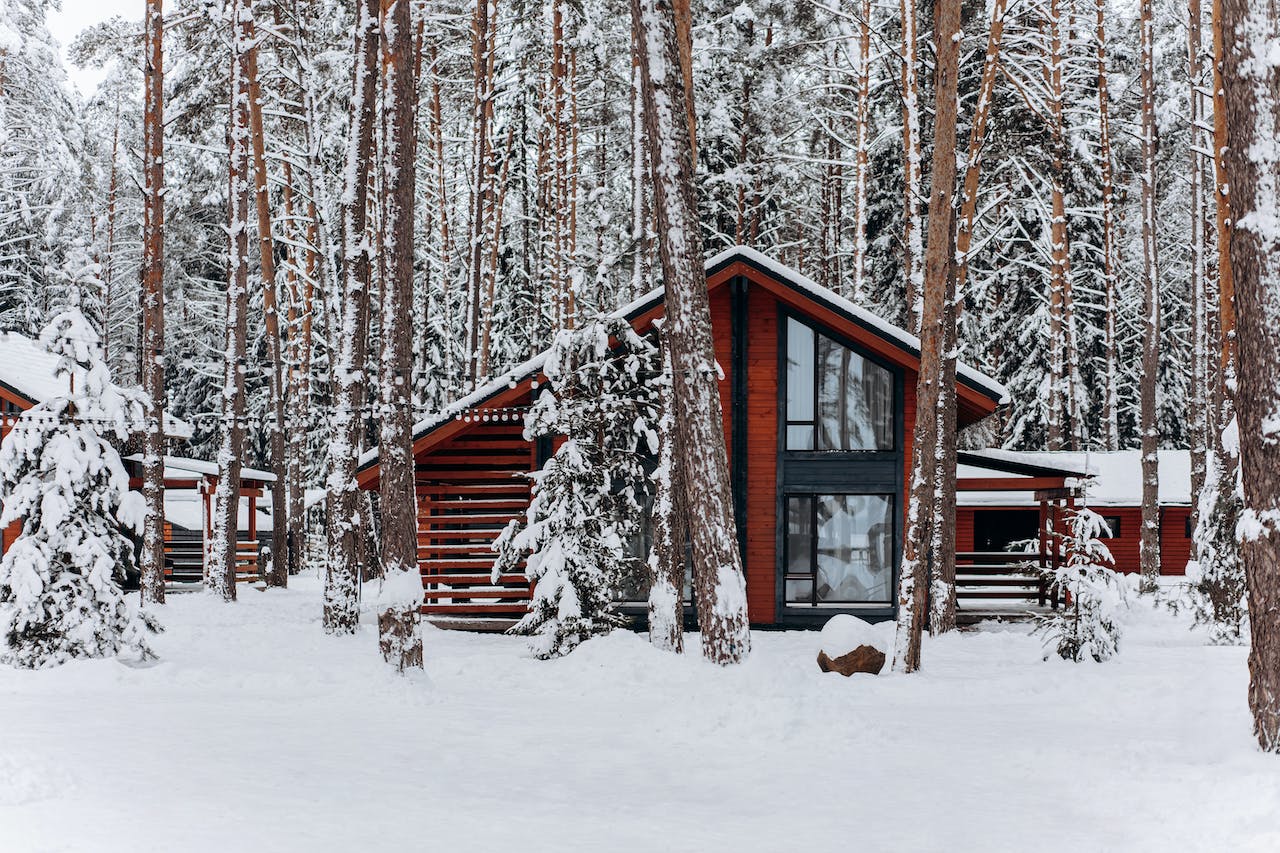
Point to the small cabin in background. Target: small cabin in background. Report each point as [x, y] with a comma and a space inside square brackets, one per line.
[994, 520]
[27, 378]
[819, 408]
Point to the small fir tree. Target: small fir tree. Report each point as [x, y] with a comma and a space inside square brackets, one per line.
[61, 593]
[587, 498]
[1085, 626]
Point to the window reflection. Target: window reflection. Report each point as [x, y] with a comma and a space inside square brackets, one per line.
[836, 399]
[839, 549]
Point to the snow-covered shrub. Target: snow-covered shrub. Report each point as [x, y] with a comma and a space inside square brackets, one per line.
[1086, 624]
[60, 582]
[1216, 582]
[587, 497]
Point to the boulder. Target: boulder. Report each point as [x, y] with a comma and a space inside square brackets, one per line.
[849, 644]
[862, 659]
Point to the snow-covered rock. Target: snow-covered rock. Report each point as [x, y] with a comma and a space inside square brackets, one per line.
[848, 644]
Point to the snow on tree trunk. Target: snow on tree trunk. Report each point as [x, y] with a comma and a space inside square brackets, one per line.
[1216, 576]
[1251, 82]
[1085, 625]
[719, 586]
[928, 448]
[220, 568]
[585, 507]
[151, 357]
[278, 573]
[344, 566]
[60, 581]
[1149, 426]
[400, 591]
[670, 531]
[912, 237]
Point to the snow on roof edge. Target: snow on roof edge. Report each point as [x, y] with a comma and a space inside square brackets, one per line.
[530, 367]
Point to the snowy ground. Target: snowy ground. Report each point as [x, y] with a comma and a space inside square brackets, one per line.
[259, 733]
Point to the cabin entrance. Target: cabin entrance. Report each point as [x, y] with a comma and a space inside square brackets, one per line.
[999, 529]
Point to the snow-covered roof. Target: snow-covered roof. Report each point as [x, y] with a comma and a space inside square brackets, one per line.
[202, 466]
[861, 316]
[784, 274]
[183, 508]
[28, 370]
[182, 467]
[1114, 478]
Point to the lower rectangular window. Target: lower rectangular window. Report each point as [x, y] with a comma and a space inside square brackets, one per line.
[839, 549]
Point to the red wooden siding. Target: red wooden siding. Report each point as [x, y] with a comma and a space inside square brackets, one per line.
[468, 488]
[8, 402]
[1175, 547]
[762, 455]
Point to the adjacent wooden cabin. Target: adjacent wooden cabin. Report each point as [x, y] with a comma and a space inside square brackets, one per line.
[27, 379]
[819, 408]
[993, 520]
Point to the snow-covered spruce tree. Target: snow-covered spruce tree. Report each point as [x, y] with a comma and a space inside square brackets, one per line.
[60, 582]
[586, 499]
[1215, 575]
[1085, 625]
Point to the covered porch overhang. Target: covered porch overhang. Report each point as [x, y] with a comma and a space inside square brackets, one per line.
[994, 584]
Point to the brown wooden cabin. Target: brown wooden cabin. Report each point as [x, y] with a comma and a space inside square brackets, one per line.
[190, 488]
[27, 379]
[819, 408]
[993, 520]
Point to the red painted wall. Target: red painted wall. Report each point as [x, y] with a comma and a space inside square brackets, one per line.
[1175, 547]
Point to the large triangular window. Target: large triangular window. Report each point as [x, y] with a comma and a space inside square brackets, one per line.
[836, 398]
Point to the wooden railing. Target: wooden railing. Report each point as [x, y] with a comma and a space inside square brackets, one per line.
[184, 559]
[1002, 576]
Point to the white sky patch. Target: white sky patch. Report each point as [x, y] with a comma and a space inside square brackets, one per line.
[75, 15]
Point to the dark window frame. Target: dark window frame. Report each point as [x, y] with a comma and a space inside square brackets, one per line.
[1113, 523]
[812, 575]
[895, 388]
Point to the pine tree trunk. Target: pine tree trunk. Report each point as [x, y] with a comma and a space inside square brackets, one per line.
[977, 136]
[1148, 423]
[278, 573]
[151, 357]
[1200, 394]
[401, 596]
[670, 529]
[912, 238]
[345, 565]
[1222, 183]
[862, 152]
[719, 588]
[1111, 366]
[481, 188]
[1251, 88]
[1059, 327]
[923, 512]
[222, 562]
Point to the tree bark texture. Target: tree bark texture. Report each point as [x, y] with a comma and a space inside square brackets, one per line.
[401, 596]
[1251, 88]
[923, 511]
[221, 569]
[278, 573]
[719, 588]
[1149, 426]
[151, 357]
[345, 564]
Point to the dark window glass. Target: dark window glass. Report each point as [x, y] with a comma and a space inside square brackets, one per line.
[839, 549]
[836, 399]
[1113, 527]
